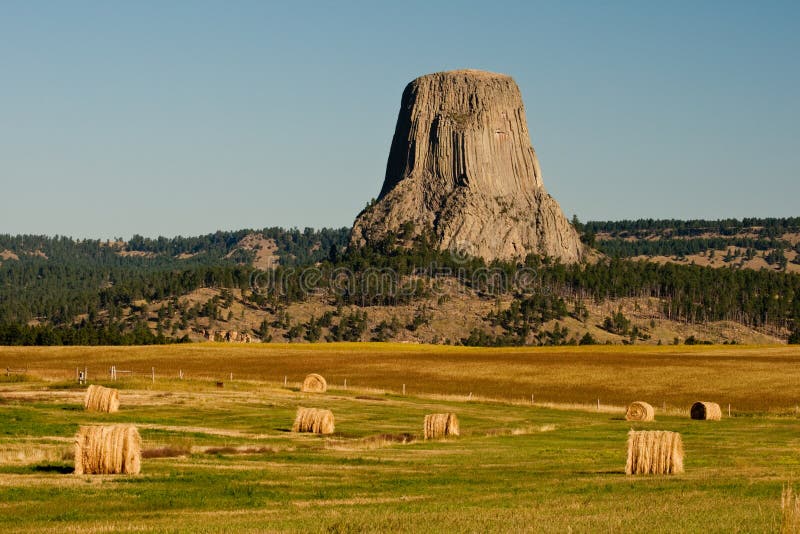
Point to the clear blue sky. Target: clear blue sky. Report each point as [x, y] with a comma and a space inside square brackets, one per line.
[166, 118]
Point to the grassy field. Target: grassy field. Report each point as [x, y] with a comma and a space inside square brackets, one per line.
[224, 460]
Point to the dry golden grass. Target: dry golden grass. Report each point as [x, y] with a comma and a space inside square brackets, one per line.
[314, 383]
[749, 378]
[640, 411]
[790, 511]
[709, 411]
[654, 452]
[223, 432]
[370, 442]
[101, 399]
[440, 425]
[229, 450]
[314, 420]
[108, 450]
[520, 431]
[32, 452]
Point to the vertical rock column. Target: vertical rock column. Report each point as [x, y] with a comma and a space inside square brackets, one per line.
[461, 164]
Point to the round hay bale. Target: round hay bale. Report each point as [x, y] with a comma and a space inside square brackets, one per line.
[101, 399]
[108, 450]
[654, 452]
[314, 383]
[706, 411]
[640, 411]
[314, 420]
[440, 425]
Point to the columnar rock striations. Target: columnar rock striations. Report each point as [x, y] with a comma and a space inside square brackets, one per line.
[461, 164]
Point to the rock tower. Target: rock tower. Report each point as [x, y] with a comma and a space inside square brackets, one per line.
[462, 165]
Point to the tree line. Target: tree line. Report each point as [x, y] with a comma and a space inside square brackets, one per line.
[764, 226]
[625, 248]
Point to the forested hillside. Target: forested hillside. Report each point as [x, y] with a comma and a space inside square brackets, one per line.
[56, 279]
[56, 290]
[747, 243]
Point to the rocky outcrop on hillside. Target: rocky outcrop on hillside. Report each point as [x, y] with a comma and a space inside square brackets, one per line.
[226, 336]
[461, 165]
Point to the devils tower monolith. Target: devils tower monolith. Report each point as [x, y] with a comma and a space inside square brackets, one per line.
[462, 166]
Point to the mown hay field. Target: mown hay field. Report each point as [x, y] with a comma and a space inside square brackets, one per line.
[224, 459]
[751, 379]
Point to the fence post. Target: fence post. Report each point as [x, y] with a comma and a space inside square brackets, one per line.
[345, 383]
[404, 389]
[531, 398]
[180, 374]
[598, 404]
[153, 374]
[729, 409]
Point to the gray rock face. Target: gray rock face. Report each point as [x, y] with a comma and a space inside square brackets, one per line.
[462, 164]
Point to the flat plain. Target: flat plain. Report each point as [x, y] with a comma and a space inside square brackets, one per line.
[220, 457]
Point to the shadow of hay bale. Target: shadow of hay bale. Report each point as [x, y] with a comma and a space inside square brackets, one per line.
[61, 469]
